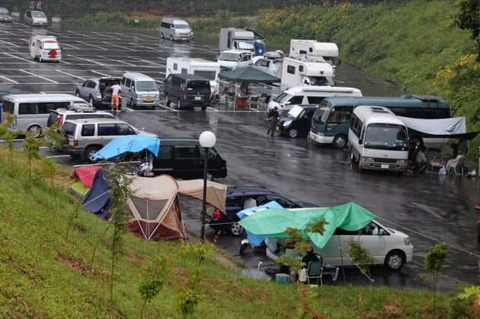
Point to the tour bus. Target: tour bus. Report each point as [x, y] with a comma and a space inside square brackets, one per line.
[31, 111]
[332, 118]
[378, 139]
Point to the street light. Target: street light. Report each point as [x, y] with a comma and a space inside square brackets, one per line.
[207, 140]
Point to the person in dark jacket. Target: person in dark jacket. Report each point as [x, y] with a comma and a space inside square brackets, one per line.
[272, 117]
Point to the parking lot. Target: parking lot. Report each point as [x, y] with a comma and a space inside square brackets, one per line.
[429, 208]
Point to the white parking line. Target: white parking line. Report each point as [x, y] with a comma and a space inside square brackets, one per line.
[16, 57]
[38, 76]
[100, 73]
[14, 82]
[122, 47]
[10, 44]
[72, 75]
[91, 61]
[119, 61]
[92, 45]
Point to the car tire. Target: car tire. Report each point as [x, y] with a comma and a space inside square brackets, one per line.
[35, 130]
[204, 107]
[340, 141]
[236, 229]
[89, 152]
[395, 260]
[243, 248]
[167, 100]
[292, 133]
[91, 101]
[130, 104]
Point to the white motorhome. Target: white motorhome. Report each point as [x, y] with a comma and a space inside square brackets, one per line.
[270, 62]
[326, 50]
[312, 72]
[309, 95]
[201, 67]
[378, 139]
[232, 59]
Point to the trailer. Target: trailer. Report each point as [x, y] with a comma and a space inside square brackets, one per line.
[201, 67]
[312, 48]
[296, 72]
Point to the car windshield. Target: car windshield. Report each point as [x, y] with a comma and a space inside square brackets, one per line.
[182, 26]
[386, 136]
[246, 45]
[146, 86]
[38, 14]
[206, 74]
[228, 56]
[198, 85]
[3, 10]
[295, 111]
[282, 97]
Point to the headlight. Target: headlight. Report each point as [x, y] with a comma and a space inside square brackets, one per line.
[407, 241]
[287, 123]
[368, 159]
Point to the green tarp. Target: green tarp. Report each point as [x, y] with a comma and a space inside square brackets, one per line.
[248, 74]
[273, 222]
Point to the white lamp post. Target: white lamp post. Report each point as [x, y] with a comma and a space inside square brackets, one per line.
[207, 140]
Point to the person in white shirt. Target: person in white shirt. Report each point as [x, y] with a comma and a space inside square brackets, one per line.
[116, 88]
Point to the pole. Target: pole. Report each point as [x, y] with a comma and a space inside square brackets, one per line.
[204, 204]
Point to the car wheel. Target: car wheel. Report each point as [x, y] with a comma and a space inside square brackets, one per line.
[130, 104]
[340, 141]
[292, 133]
[204, 107]
[243, 248]
[167, 100]
[89, 153]
[236, 229]
[395, 260]
[91, 101]
[35, 130]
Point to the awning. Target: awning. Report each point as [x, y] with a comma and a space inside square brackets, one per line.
[454, 127]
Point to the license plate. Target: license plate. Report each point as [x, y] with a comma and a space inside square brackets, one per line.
[385, 166]
[148, 99]
[198, 98]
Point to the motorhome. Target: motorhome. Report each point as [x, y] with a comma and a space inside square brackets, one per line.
[232, 59]
[378, 139]
[270, 62]
[201, 67]
[314, 72]
[327, 50]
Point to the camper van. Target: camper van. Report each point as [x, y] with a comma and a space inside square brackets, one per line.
[139, 89]
[378, 139]
[201, 67]
[309, 95]
[327, 50]
[175, 29]
[232, 59]
[45, 48]
[308, 72]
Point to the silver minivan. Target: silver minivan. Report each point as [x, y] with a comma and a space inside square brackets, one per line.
[175, 29]
[139, 89]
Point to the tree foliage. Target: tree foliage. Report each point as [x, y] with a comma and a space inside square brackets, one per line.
[469, 19]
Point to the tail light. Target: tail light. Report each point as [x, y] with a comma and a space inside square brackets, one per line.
[184, 95]
[61, 120]
[75, 143]
[217, 214]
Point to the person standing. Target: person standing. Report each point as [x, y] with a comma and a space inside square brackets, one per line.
[116, 88]
[272, 117]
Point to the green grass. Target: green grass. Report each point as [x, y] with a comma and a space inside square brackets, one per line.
[56, 262]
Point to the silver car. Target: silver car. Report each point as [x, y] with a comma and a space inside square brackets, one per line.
[35, 18]
[97, 90]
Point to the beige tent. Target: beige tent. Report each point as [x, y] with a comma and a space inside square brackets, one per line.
[155, 209]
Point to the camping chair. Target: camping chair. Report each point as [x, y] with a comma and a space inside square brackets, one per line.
[253, 101]
[315, 272]
[457, 166]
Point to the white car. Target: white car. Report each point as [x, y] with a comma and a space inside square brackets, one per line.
[388, 247]
[45, 48]
[232, 59]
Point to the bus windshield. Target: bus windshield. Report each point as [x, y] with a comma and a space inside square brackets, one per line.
[282, 97]
[386, 137]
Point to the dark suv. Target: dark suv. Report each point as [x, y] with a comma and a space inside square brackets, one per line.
[187, 91]
[239, 198]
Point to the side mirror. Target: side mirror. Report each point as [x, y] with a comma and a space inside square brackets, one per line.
[360, 141]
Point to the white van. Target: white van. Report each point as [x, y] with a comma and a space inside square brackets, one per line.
[388, 247]
[309, 95]
[175, 29]
[139, 89]
[232, 59]
[378, 139]
[31, 111]
[45, 48]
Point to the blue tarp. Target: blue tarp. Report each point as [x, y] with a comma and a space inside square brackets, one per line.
[253, 239]
[129, 144]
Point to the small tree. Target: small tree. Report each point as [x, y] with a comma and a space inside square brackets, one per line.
[31, 145]
[154, 279]
[361, 258]
[48, 170]
[9, 137]
[433, 262]
[55, 139]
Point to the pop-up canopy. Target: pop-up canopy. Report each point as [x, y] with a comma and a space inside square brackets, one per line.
[274, 222]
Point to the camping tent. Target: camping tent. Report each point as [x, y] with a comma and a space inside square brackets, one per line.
[274, 222]
[97, 200]
[83, 177]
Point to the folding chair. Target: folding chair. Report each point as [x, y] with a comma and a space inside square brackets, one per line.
[315, 272]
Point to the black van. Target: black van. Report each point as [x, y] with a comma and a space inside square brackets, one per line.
[184, 158]
[297, 122]
[187, 91]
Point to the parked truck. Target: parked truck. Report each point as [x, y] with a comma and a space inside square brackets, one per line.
[240, 39]
[201, 67]
[312, 48]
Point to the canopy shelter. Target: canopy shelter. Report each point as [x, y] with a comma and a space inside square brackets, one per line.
[274, 222]
[249, 74]
[454, 127]
[216, 192]
[129, 144]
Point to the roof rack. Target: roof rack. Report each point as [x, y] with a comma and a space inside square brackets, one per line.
[82, 107]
